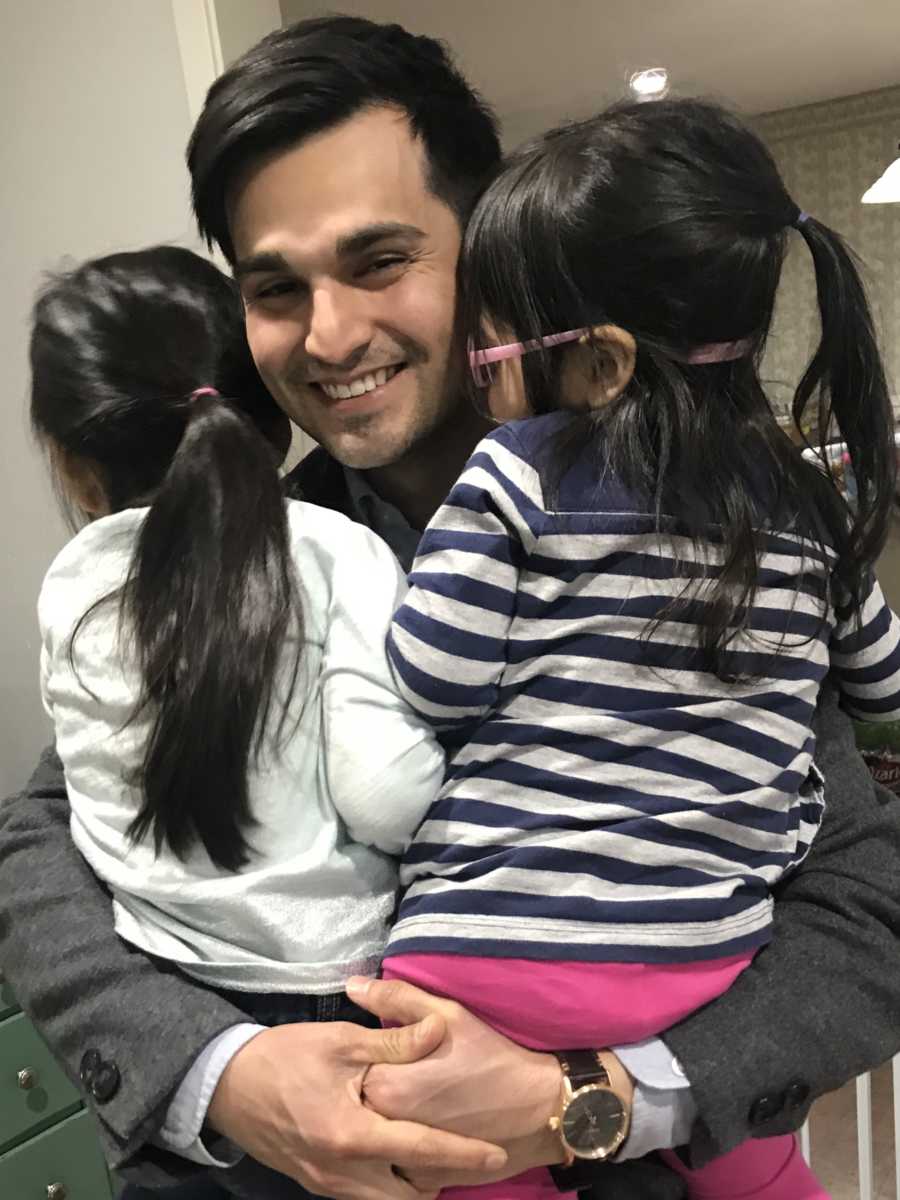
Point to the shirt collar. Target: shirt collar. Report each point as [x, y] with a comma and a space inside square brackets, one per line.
[382, 517]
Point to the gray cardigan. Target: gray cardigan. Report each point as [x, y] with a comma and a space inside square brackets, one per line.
[819, 1005]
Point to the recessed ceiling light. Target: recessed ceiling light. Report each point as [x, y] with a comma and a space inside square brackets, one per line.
[651, 84]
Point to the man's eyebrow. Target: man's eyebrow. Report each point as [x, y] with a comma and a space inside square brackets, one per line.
[266, 260]
[346, 247]
[363, 239]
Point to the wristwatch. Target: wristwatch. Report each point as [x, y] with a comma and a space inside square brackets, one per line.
[594, 1116]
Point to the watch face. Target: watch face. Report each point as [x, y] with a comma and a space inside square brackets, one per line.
[592, 1122]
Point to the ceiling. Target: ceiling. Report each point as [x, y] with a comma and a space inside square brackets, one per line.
[541, 61]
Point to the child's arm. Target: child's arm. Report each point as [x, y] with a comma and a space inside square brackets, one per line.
[866, 660]
[383, 764]
[45, 680]
[448, 641]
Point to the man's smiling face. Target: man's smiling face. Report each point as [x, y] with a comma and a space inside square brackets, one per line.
[347, 266]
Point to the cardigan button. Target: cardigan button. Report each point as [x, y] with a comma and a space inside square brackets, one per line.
[105, 1082]
[766, 1108]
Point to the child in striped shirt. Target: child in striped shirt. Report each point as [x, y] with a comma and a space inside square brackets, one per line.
[621, 617]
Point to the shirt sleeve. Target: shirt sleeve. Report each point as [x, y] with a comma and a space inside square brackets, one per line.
[182, 1129]
[45, 681]
[865, 656]
[46, 658]
[663, 1109]
[449, 640]
[383, 763]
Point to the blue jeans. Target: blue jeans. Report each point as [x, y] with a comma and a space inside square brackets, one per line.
[272, 1009]
[202, 1188]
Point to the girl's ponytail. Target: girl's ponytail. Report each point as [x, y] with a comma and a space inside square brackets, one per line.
[210, 600]
[846, 378]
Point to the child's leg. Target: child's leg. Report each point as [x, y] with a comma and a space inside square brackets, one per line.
[759, 1169]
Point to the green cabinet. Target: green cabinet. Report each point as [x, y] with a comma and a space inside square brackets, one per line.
[34, 1092]
[62, 1163]
[48, 1143]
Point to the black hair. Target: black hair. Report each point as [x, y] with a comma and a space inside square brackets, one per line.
[313, 75]
[669, 219]
[117, 347]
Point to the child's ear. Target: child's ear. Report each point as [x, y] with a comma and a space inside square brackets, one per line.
[81, 480]
[614, 353]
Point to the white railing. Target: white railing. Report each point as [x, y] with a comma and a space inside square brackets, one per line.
[864, 1129]
[865, 1151]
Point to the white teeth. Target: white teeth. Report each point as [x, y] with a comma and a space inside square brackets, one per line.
[358, 387]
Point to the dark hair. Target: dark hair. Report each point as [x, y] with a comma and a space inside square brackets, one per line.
[117, 348]
[670, 220]
[311, 76]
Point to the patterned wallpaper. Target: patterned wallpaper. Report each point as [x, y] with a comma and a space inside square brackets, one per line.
[829, 154]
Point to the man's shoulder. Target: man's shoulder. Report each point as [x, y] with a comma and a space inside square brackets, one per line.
[319, 479]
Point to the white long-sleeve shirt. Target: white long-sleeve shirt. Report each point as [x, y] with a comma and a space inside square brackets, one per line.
[346, 790]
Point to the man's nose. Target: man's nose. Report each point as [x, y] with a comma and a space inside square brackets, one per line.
[340, 329]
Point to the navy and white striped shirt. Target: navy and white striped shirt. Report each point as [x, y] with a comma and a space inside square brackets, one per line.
[607, 798]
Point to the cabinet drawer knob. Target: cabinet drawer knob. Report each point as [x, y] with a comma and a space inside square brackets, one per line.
[26, 1078]
[56, 1191]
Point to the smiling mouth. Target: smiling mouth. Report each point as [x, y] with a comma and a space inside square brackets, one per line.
[360, 385]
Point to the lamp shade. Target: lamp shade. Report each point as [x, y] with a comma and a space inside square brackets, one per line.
[885, 190]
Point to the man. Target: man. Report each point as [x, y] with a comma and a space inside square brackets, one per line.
[335, 165]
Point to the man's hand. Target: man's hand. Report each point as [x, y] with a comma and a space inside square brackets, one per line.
[475, 1081]
[291, 1098]
[522, 1155]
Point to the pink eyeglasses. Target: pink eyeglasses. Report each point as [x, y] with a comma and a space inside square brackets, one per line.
[480, 360]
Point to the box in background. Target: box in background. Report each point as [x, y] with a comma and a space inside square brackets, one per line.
[880, 747]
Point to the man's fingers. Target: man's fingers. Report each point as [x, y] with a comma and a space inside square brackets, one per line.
[401, 1044]
[394, 999]
[414, 1147]
[426, 1190]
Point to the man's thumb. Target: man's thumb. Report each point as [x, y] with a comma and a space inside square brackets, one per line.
[407, 1043]
[395, 1001]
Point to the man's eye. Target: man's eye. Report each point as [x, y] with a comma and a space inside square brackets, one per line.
[385, 263]
[281, 287]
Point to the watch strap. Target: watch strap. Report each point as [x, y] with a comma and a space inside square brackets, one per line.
[582, 1175]
[582, 1067]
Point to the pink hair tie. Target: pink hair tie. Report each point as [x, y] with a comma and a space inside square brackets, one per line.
[203, 391]
[716, 352]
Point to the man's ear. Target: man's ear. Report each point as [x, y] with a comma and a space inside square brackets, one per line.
[613, 356]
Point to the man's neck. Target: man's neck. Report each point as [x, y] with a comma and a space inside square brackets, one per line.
[420, 481]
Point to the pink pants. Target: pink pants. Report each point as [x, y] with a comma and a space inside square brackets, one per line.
[567, 1005]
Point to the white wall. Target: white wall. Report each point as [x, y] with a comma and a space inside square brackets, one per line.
[241, 23]
[213, 33]
[93, 125]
